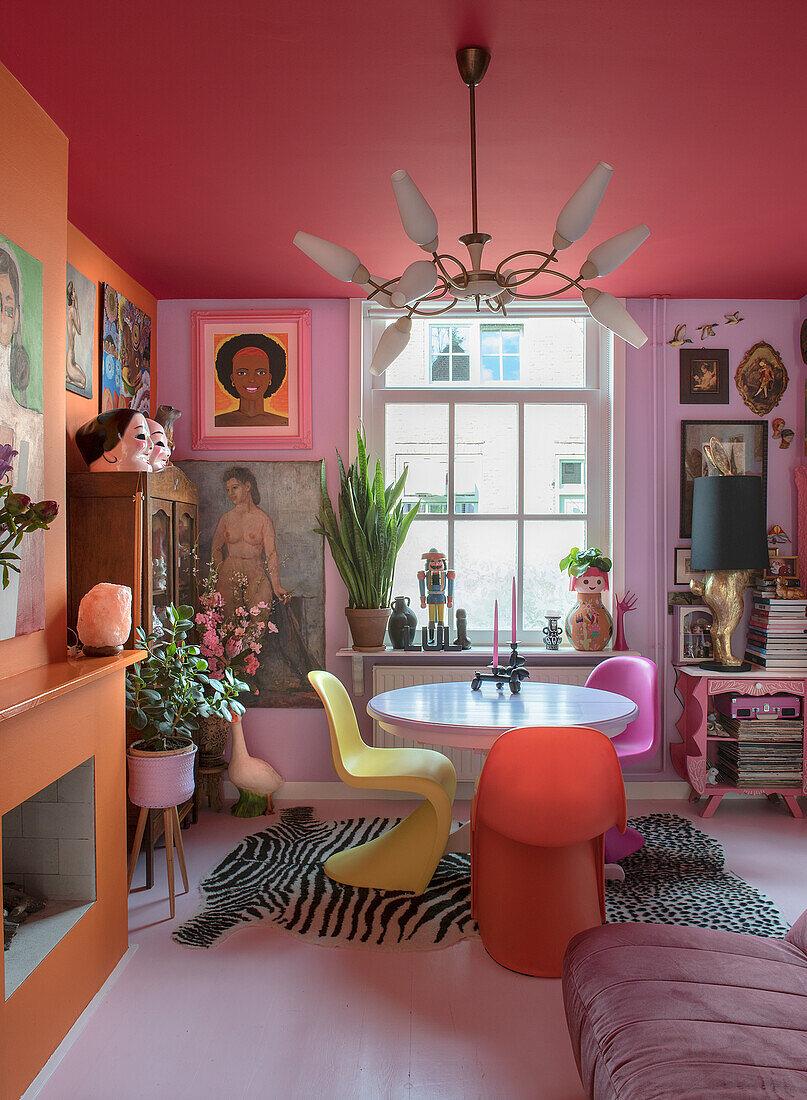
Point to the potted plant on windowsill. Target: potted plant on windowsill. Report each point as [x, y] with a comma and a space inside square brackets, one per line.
[588, 624]
[365, 540]
[166, 694]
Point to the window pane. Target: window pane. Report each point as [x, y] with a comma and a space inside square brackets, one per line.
[486, 457]
[511, 368]
[485, 563]
[489, 343]
[461, 368]
[459, 338]
[417, 436]
[490, 368]
[545, 587]
[423, 535]
[553, 435]
[511, 342]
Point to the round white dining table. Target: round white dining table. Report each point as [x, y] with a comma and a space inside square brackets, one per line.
[454, 716]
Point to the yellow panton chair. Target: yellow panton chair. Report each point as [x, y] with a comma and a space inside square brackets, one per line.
[405, 857]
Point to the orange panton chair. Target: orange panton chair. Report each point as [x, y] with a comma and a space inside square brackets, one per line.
[545, 798]
[406, 856]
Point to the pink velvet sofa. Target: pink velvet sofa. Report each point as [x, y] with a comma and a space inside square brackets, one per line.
[665, 1011]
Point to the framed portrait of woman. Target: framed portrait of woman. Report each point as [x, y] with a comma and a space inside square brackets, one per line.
[251, 379]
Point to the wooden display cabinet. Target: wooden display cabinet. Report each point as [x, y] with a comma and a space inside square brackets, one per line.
[696, 688]
[139, 530]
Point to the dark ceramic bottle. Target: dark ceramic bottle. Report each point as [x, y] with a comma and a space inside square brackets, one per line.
[401, 617]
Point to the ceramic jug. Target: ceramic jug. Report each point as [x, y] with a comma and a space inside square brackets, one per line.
[402, 616]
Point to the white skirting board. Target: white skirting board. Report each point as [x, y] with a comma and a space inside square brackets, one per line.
[52, 1063]
[326, 792]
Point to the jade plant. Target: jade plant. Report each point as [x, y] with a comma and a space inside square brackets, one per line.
[577, 561]
[170, 689]
[370, 530]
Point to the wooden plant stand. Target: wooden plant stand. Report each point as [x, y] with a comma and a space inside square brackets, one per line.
[173, 835]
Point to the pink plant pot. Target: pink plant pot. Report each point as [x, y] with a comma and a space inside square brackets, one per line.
[158, 780]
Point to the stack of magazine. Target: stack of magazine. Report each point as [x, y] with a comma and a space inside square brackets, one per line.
[777, 633]
[760, 752]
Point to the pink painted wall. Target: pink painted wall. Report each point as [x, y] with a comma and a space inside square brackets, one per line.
[653, 418]
[294, 741]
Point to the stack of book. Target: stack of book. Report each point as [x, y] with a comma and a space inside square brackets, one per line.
[761, 752]
[777, 633]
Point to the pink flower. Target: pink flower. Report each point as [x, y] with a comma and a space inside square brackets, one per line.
[233, 647]
[271, 628]
[251, 665]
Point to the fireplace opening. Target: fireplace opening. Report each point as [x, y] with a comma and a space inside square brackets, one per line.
[48, 870]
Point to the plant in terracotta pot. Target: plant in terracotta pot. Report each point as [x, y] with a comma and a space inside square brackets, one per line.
[166, 695]
[588, 624]
[365, 539]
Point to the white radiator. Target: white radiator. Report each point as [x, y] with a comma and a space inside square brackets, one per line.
[467, 762]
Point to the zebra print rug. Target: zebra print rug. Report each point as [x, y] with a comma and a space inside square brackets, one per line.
[678, 877]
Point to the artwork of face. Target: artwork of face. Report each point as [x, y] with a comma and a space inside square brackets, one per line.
[704, 376]
[9, 312]
[590, 582]
[160, 451]
[130, 439]
[251, 368]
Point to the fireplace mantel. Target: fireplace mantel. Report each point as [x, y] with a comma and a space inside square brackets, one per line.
[53, 719]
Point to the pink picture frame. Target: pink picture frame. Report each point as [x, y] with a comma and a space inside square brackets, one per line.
[235, 355]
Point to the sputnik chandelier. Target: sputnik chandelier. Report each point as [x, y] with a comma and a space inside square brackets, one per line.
[425, 285]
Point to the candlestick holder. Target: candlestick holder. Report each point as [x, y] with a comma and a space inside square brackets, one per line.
[512, 673]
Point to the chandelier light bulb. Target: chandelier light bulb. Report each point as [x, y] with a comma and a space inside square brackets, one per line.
[419, 279]
[606, 257]
[418, 218]
[333, 258]
[612, 314]
[578, 213]
[393, 340]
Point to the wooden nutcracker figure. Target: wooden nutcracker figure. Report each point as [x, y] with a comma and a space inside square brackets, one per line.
[436, 583]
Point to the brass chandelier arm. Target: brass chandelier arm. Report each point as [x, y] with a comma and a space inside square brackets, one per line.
[567, 280]
[452, 281]
[549, 257]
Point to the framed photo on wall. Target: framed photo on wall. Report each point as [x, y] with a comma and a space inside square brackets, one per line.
[745, 442]
[251, 379]
[783, 566]
[693, 632]
[682, 573]
[704, 376]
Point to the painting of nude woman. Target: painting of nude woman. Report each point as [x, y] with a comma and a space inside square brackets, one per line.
[255, 522]
[80, 309]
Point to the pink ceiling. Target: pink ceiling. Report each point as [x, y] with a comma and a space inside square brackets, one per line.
[204, 134]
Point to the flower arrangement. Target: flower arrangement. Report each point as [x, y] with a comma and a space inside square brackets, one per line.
[233, 642]
[19, 515]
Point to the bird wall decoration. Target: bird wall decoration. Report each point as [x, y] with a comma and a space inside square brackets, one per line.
[733, 318]
[679, 337]
[707, 330]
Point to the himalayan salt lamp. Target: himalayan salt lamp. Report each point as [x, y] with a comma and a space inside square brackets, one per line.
[104, 619]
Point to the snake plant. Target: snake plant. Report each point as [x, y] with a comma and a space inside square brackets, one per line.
[370, 530]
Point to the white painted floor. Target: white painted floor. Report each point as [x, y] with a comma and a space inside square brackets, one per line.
[266, 1015]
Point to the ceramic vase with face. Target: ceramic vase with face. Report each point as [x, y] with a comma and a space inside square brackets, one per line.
[160, 455]
[588, 624]
[117, 441]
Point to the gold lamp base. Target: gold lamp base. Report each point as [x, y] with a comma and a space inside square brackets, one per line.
[723, 590]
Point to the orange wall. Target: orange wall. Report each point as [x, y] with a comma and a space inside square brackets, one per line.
[33, 214]
[98, 268]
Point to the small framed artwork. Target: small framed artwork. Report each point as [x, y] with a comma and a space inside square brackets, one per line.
[761, 378]
[783, 566]
[125, 354]
[694, 634]
[251, 379]
[80, 305]
[704, 376]
[745, 443]
[682, 572]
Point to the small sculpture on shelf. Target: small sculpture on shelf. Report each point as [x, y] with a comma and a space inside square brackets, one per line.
[514, 671]
[436, 583]
[402, 617]
[117, 441]
[104, 619]
[160, 455]
[628, 603]
[712, 776]
[588, 624]
[167, 415]
[552, 632]
[462, 641]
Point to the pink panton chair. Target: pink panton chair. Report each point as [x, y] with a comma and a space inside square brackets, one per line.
[636, 678]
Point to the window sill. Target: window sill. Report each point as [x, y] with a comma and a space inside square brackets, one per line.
[536, 657]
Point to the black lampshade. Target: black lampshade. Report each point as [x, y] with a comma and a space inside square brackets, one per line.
[728, 523]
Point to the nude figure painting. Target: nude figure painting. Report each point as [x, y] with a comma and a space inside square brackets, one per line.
[80, 307]
[255, 521]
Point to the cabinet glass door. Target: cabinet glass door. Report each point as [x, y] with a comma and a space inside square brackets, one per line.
[162, 579]
[185, 525]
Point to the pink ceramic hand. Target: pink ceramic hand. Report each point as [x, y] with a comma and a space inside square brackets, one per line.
[629, 602]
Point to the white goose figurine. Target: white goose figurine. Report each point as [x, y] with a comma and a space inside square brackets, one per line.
[256, 780]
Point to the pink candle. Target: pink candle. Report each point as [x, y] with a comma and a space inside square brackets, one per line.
[513, 620]
[495, 633]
